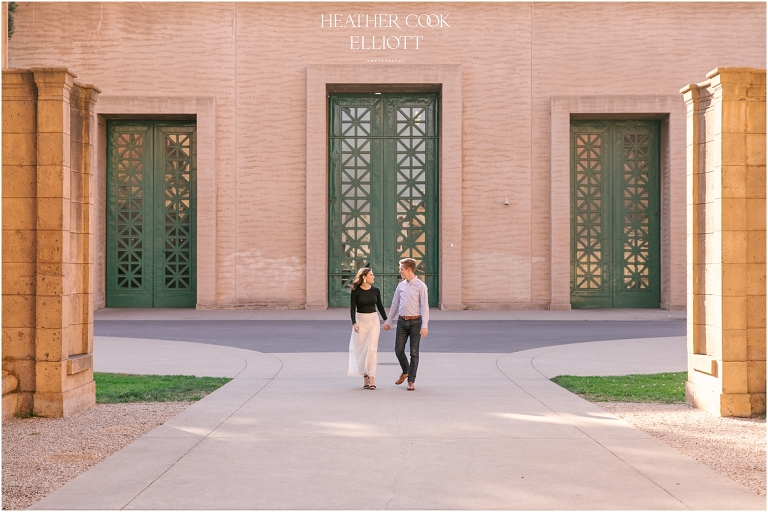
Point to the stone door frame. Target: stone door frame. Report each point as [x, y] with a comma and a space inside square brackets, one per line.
[204, 110]
[670, 110]
[323, 79]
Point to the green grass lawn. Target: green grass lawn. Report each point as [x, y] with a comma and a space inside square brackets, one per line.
[659, 387]
[115, 388]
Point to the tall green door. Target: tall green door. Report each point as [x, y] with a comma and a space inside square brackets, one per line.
[615, 214]
[383, 190]
[151, 214]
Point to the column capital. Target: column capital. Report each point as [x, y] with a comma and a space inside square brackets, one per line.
[738, 74]
[690, 94]
[53, 83]
[89, 93]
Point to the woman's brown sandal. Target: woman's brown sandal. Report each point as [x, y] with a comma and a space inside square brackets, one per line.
[365, 382]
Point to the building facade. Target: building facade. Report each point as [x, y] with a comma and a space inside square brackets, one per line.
[254, 155]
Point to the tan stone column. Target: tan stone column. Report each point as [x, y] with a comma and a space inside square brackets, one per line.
[19, 238]
[82, 234]
[62, 387]
[726, 242]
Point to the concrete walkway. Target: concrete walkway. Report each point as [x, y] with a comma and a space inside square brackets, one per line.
[482, 431]
[343, 314]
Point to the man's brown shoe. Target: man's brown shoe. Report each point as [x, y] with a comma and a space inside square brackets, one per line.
[401, 379]
[410, 387]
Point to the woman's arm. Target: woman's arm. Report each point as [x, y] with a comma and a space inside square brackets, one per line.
[353, 305]
[380, 306]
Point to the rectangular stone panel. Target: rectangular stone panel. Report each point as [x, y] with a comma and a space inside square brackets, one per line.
[734, 211]
[77, 380]
[737, 404]
[19, 149]
[734, 343]
[756, 376]
[755, 117]
[53, 214]
[53, 116]
[712, 336]
[755, 305]
[51, 311]
[756, 343]
[18, 311]
[18, 343]
[19, 278]
[756, 181]
[19, 213]
[734, 249]
[734, 313]
[756, 247]
[756, 214]
[713, 279]
[734, 279]
[757, 401]
[51, 278]
[52, 149]
[734, 181]
[755, 279]
[19, 116]
[77, 363]
[734, 116]
[78, 308]
[19, 181]
[51, 182]
[48, 343]
[75, 342]
[19, 246]
[52, 247]
[734, 377]
[755, 148]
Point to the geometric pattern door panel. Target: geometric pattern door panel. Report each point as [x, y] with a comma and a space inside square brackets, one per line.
[382, 190]
[615, 214]
[151, 214]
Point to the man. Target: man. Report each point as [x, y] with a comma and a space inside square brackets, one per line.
[412, 308]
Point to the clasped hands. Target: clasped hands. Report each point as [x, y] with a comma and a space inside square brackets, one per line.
[386, 327]
[423, 331]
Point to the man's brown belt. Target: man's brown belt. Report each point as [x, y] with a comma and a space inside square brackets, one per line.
[411, 317]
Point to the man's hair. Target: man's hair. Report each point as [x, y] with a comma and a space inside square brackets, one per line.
[409, 263]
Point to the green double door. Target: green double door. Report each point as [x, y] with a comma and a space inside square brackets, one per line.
[615, 214]
[151, 214]
[383, 161]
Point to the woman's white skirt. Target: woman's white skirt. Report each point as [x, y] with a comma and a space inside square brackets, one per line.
[363, 345]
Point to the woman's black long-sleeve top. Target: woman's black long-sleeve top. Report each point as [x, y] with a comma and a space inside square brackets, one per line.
[366, 301]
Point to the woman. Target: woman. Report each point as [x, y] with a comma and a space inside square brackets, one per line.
[364, 342]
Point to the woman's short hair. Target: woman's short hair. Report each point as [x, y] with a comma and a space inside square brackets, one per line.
[409, 263]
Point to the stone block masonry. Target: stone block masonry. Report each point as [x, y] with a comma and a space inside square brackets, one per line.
[726, 242]
[48, 132]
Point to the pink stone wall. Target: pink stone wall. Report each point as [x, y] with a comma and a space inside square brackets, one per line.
[252, 58]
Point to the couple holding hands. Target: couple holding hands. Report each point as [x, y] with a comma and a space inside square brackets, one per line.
[410, 305]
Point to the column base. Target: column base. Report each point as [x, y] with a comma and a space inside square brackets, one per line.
[10, 404]
[56, 405]
[720, 404]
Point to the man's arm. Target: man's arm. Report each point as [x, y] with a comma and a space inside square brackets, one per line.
[424, 306]
[393, 308]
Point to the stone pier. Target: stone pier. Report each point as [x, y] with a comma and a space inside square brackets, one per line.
[49, 127]
[726, 242]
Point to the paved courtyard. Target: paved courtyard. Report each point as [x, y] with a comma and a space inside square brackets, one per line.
[484, 430]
